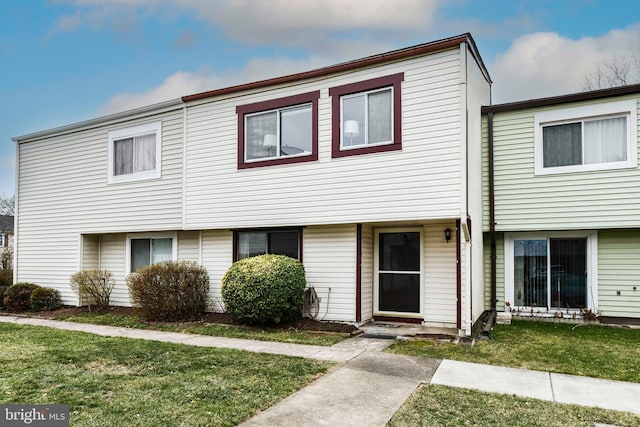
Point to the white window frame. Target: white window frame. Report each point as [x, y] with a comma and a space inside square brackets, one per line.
[132, 132]
[592, 265]
[158, 235]
[628, 109]
[366, 119]
[278, 135]
[376, 272]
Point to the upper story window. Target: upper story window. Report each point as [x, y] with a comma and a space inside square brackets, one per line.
[586, 138]
[278, 131]
[134, 153]
[366, 116]
[2, 240]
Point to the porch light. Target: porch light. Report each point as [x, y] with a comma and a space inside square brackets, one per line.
[447, 234]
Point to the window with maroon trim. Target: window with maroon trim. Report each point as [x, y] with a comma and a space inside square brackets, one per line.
[276, 241]
[366, 116]
[278, 131]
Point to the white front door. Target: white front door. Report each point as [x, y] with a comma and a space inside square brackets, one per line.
[398, 261]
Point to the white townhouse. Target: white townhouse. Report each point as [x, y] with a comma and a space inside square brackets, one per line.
[369, 172]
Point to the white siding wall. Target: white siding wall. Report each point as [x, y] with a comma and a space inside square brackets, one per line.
[330, 266]
[440, 275]
[420, 182]
[189, 246]
[113, 258]
[90, 252]
[366, 275]
[63, 193]
[217, 257]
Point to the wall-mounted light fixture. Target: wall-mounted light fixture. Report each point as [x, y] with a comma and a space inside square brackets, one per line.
[447, 234]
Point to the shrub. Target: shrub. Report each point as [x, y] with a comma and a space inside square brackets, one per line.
[45, 299]
[170, 291]
[93, 286]
[2, 293]
[17, 297]
[264, 289]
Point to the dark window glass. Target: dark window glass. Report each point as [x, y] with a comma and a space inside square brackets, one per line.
[399, 292]
[253, 243]
[399, 251]
[562, 145]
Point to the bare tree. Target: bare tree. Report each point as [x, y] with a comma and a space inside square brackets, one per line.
[616, 70]
[7, 205]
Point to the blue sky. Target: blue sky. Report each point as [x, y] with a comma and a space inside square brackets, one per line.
[65, 61]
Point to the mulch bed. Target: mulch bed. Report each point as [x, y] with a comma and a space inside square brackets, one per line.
[217, 318]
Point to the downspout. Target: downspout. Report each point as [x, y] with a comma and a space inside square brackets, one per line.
[458, 278]
[492, 214]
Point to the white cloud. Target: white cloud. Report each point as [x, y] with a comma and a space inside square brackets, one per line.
[547, 64]
[188, 83]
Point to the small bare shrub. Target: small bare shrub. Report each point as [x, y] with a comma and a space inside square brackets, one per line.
[93, 286]
[170, 291]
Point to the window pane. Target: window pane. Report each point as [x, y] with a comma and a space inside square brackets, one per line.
[530, 273]
[140, 253]
[399, 292]
[284, 243]
[295, 131]
[257, 127]
[379, 117]
[251, 244]
[161, 250]
[123, 156]
[605, 140]
[399, 251]
[353, 130]
[568, 273]
[562, 145]
[145, 156]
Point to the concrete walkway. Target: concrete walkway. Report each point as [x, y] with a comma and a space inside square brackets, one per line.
[369, 386]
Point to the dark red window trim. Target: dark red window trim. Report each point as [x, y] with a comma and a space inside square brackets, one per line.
[289, 101]
[394, 81]
[300, 231]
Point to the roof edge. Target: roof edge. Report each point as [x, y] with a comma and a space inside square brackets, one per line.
[393, 55]
[562, 99]
[101, 121]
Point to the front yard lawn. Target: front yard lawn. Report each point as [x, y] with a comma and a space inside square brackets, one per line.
[589, 350]
[436, 405]
[110, 381]
[288, 334]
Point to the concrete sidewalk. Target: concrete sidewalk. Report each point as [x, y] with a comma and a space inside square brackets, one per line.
[370, 386]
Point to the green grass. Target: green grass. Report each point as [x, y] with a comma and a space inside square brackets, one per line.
[110, 381]
[434, 405]
[232, 331]
[589, 350]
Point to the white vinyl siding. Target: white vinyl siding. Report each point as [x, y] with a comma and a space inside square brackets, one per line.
[366, 274]
[189, 246]
[66, 176]
[112, 258]
[440, 301]
[581, 200]
[90, 252]
[330, 266]
[421, 181]
[217, 257]
[619, 273]
[500, 306]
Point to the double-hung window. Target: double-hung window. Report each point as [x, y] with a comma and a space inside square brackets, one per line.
[278, 131]
[366, 116]
[134, 153]
[259, 242]
[586, 138]
[148, 250]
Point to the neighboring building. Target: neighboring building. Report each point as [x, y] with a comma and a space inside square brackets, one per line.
[6, 242]
[368, 171]
[566, 192]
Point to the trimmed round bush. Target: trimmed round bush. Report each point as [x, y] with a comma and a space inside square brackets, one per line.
[17, 297]
[264, 289]
[170, 291]
[45, 299]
